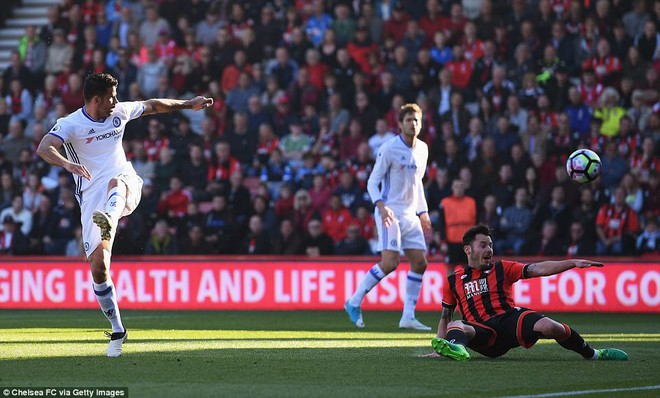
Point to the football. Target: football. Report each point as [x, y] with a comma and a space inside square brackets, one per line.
[583, 166]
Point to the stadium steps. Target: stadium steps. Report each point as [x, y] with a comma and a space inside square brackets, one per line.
[30, 12]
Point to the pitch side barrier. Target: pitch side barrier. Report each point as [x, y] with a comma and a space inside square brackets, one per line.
[300, 283]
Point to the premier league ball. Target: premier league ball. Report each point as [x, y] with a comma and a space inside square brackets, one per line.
[583, 166]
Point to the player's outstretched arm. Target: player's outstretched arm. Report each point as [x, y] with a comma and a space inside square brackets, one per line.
[162, 105]
[445, 318]
[547, 268]
[48, 150]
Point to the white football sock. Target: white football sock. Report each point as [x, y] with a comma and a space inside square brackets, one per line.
[105, 295]
[370, 280]
[116, 202]
[413, 286]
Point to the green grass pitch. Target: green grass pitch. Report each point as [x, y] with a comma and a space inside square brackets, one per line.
[310, 354]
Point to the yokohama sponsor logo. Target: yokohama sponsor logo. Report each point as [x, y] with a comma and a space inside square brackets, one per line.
[112, 134]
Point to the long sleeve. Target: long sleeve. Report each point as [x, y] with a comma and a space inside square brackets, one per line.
[422, 205]
[377, 174]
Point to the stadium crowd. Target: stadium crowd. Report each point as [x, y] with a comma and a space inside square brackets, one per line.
[306, 91]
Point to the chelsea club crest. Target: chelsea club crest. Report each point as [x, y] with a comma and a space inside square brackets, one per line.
[115, 121]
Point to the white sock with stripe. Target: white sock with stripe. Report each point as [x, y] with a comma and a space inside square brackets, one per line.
[105, 295]
[370, 280]
[116, 202]
[413, 286]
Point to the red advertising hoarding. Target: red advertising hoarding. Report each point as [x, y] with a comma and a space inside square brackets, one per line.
[306, 285]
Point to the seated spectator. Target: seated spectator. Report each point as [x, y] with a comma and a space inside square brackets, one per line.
[66, 218]
[257, 240]
[152, 26]
[490, 214]
[651, 206]
[14, 142]
[74, 248]
[645, 162]
[72, 93]
[514, 224]
[19, 100]
[499, 89]
[284, 205]
[336, 219]
[12, 240]
[59, 53]
[503, 189]
[238, 96]
[303, 212]
[194, 242]
[219, 226]
[243, 144]
[546, 243]
[354, 244]
[649, 240]
[238, 198]
[174, 203]
[19, 214]
[222, 166]
[556, 210]
[616, 226]
[319, 193]
[295, 144]
[613, 166]
[316, 242]
[609, 112]
[164, 169]
[579, 243]
[149, 73]
[161, 241]
[606, 66]
[350, 142]
[195, 169]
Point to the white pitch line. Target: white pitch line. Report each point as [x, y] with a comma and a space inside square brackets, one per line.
[583, 392]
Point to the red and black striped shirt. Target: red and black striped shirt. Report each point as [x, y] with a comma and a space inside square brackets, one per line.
[482, 294]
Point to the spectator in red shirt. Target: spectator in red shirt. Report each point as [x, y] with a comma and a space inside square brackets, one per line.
[336, 219]
[395, 27]
[351, 141]
[360, 47]
[456, 22]
[607, 66]
[72, 95]
[590, 90]
[460, 68]
[174, 203]
[616, 226]
[316, 68]
[472, 47]
[222, 166]
[365, 222]
[154, 141]
[285, 203]
[433, 21]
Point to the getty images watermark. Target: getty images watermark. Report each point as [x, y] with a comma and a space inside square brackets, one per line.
[88, 392]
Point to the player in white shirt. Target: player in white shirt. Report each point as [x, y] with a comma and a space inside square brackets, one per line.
[107, 187]
[401, 215]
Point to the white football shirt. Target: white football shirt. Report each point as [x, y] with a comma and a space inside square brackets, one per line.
[97, 144]
[399, 170]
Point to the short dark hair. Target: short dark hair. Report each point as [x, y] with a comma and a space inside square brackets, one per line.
[471, 234]
[409, 108]
[98, 84]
